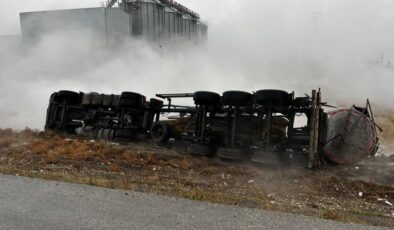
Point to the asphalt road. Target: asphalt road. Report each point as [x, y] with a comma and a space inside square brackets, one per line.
[37, 204]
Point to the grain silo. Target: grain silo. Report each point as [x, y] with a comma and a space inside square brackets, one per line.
[107, 26]
[172, 24]
[152, 20]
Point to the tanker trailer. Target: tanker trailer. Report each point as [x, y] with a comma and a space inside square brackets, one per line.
[351, 135]
[263, 131]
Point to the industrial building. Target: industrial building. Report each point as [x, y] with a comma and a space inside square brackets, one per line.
[159, 21]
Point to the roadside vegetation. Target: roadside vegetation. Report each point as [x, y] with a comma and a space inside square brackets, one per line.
[362, 193]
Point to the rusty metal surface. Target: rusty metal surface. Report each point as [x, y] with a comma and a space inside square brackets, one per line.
[351, 136]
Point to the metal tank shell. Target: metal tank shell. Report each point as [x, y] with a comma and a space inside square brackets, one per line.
[189, 28]
[148, 19]
[172, 24]
[202, 32]
[155, 21]
[351, 136]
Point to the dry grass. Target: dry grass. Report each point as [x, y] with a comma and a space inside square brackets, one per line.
[8, 137]
[141, 167]
[330, 215]
[386, 122]
[335, 185]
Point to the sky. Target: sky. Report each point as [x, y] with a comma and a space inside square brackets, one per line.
[343, 46]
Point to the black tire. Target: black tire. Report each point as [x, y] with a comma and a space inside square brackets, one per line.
[97, 99]
[206, 98]
[49, 122]
[272, 96]
[201, 150]
[53, 98]
[100, 134]
[115, 101]
[131, 100]
[103, 134]
[86, 99]
[155, 104]
[160, 132]
[106, 134]
[236, 98]
[301, 102]
[72, 98]
[107, 100]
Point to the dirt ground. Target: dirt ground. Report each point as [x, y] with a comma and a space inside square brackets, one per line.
[362, 193]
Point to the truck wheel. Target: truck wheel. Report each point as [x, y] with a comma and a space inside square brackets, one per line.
[131, 100]
[86, 99]
[72, 98]
[155, 104]
[115, 101]
[108, 134]
[206, 98]
[160, 132]
[272, 96]
[301, 102]
[49, 122]
[107, 100]
[97, 99]
[236, 98]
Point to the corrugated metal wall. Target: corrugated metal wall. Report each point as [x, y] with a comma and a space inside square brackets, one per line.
[172, 24]
[148, 20]
[36, 25]
[106, 26]
[202, 32]
[189, 28]
[156, 22]
[118, 26]
[186, 28]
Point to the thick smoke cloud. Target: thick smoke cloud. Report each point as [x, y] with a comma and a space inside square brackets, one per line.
[255, 44]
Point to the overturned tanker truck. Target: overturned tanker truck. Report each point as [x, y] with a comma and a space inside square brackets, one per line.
[236, 125]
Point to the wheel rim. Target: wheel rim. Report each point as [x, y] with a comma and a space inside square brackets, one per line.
[157, 131]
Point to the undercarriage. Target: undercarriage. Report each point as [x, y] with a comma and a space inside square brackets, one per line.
[260, 127]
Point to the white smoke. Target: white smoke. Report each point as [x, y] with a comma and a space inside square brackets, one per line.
[255, 44]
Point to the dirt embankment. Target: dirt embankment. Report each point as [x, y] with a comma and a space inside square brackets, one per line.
[386, 122]
[362, 193]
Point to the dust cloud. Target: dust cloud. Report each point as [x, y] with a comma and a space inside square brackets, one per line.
[344, 47]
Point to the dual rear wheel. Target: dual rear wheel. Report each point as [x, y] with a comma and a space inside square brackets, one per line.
[241, 98]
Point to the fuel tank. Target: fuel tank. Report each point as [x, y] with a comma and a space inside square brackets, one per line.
[351, 136]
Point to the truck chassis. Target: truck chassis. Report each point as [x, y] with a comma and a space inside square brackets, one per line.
[236, 125]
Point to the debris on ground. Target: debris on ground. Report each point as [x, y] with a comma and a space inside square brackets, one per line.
[362, 193]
